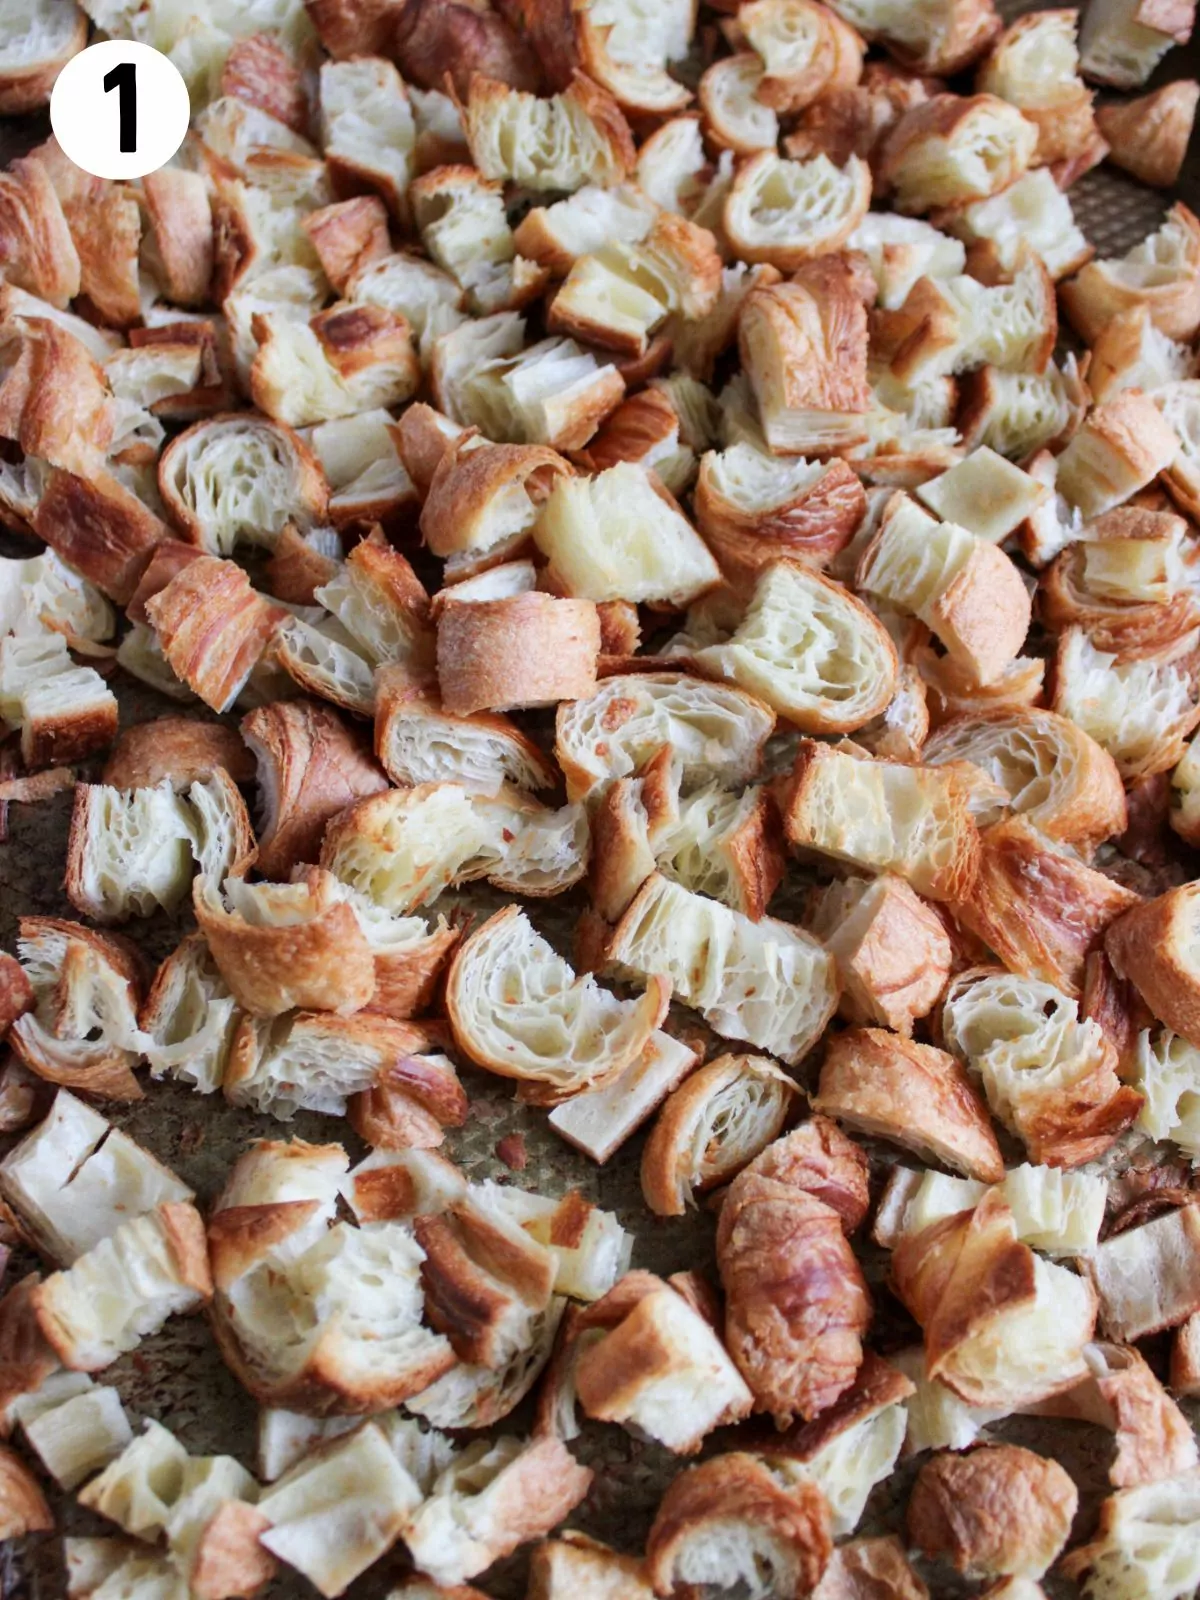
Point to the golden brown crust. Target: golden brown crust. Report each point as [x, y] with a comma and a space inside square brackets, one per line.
[1102, 291]
[876, 1386]
[467, 483]
[355, 27]
[229, 1560]
[16, 992]
[311, 766]
[348, 236]
[433, 38]
[735, 1494]
[26, 1358]
[260, 72]
[528, 650]
[181, 224]
[415, 1099]
[811, 525]
[1153, 945]
[892, 949]
[871, 1569]
[213, 628]
[1039, 908]
[803, 345]
[996, 1511]
[912, 1095]
[100, 528]
[37, 252]
[1149, 136]
[797, 1305]
[322, 963]
[952, 121]
[23, 1507]
[179, 749]
[54, 400]
[309, 489]
[476, 1277]
[106, 229]
[823, 1161]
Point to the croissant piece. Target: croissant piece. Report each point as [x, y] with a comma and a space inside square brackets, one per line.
[213, 628]
[1141, 710]
[954, 149]
[486, 658]
[1034, 65]
[786, 212]
[892, 950]
[1160, 273]
[560, 143]
[997, 1510]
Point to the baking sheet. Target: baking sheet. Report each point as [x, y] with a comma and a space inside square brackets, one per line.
[178, 1377]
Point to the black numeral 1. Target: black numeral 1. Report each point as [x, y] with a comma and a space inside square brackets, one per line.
[124, 78]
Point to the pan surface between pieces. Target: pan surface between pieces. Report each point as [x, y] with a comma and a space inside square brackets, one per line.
[178, 1377]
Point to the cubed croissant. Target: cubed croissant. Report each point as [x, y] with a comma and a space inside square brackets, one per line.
[557, 235]
[722, 1522]
[659, 1366]
[1056, 775]
[753, 508]
[125, 1287]
[912, 1095]
[628, 54]
[883, 816]
[964, 589]
[1145, 1277]
[559, 143]
[35, 242]
[797, 1305]
[1038, 906]
[1049, 1076]
[598, 1121]
[942, 41]
[1122, 41]
[620, 536]
[620, 296]
[1123, 446]
[1152, 946]
[347, 359]
[487, 657]
[954, 149]
[32, 56]
[786, 212]
[1149, 136]
[594, 1038]
[1160, 273]
[574, 1567]
[65, 712]
[1003, 1327]
[734, 117]
[1141, 710]
[82, 1031]
[998, 1510]
[460, 215]
[213, 628]
[239, 478]
[804, 347]
[806, 50]
[892, 950]
[1032, 214]
[766, 982]
[810, 649]
[1034, 65]
[711, 1127]
[715, 732]
[1146, 1540]
[878, 1569]
[484, 500]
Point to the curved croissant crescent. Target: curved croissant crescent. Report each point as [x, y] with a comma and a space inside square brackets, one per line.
[519, 1010]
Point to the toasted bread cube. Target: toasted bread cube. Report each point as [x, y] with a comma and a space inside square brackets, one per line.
[786, 212]
[804, 346]
[662, 1369]
[599, 1120]
[75, 1178]
[1160, 273]
[723, 1522]
[81, 1436]
[494, 1497]
[964, 589]
[126, 1287]
[560, 143]
[661, 557]
[711, 1127]
[953, 150]
[1140, 711]
[367, 129]
[340, 1509]
[1145, 1277]
[766, 982]
[557, 235]
[1122, 41]
[892, 950]
[985, 494]
[460, 215]
[734, 116]
[883, 816]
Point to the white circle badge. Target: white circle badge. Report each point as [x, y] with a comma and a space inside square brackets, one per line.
[120, 109]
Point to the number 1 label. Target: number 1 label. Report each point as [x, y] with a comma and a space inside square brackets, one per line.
[120, 109]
